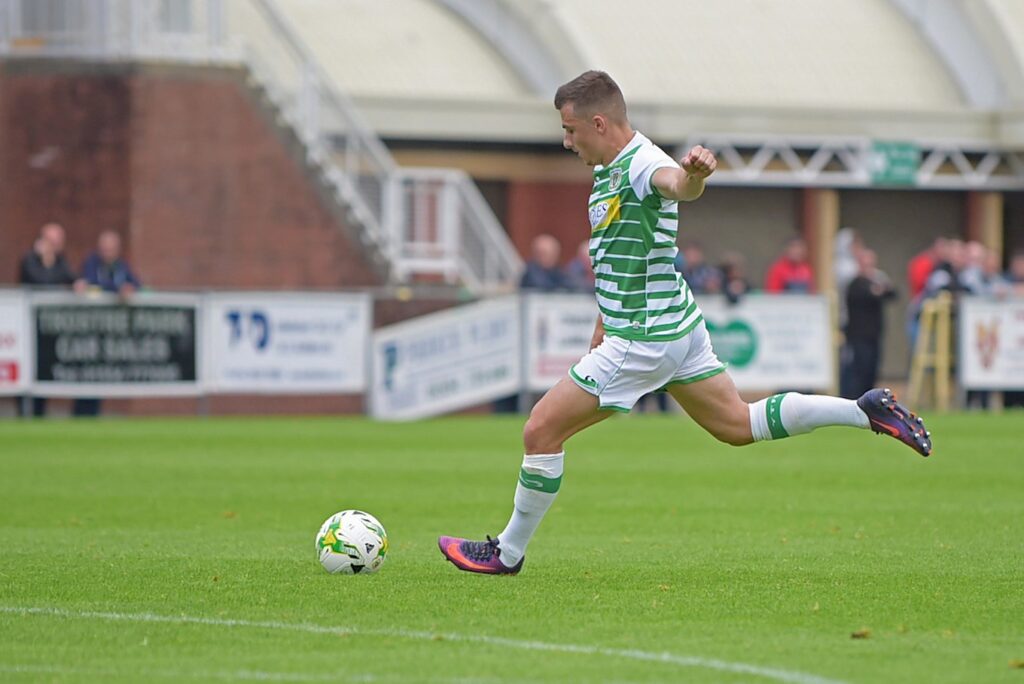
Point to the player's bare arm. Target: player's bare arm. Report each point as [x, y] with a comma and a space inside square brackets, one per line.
[686, 183]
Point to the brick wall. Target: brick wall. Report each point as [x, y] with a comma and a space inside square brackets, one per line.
[557, 208]
[183, 162]
[188, 165]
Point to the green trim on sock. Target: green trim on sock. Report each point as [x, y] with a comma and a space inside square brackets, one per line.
[773, 411]
[539, 483]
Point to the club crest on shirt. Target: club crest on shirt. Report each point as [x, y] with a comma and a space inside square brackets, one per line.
[615, 179]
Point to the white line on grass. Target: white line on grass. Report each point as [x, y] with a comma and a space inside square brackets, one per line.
[777, 674]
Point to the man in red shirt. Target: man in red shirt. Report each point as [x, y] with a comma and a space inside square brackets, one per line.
[922, 265]
[791, 272]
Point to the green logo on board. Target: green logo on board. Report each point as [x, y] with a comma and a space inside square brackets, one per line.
[734, 343]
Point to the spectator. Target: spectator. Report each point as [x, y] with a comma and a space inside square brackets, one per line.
[922, 265]
[971, 278]
[946, 274]
[44, 265]
[945, 277]
[542, 272]
[734, 279]
[579, 273]
[106, 270]
[1015, 280]
[868, 290]
[980, 276]
[702, 277]
[996, 284]
[844, 259]
[791, 272]
[1015, 274]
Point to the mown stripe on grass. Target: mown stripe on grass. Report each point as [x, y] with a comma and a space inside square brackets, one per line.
[773, 673]
[179, 675]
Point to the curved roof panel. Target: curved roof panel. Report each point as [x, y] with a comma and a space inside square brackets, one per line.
[408, 48]
[1010, 13]
[836, 54]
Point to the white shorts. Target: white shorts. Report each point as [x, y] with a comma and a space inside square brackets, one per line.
[620, 371]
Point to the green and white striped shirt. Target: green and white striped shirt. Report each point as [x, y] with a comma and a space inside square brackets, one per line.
[633, 249]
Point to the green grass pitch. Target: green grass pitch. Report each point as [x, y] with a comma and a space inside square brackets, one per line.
[182, 550]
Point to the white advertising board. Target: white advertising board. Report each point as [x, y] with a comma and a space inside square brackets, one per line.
[991, 339]
[770, 342]
[446, 361]
[286, 343]
[773, 341]
[15, 343]
[558, 330]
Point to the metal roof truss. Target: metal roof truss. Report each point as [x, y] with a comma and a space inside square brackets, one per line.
[857, 163]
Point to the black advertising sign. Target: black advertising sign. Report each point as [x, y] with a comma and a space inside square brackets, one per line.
[146, 345]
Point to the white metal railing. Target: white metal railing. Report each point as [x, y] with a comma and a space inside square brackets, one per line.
[450, 230]
[178, 30]
[425, 222]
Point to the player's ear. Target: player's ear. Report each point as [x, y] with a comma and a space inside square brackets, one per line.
[600, 123]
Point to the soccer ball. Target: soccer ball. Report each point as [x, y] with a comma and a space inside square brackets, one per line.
[351, 542]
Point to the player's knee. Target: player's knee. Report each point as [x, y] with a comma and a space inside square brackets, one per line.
[537, 437]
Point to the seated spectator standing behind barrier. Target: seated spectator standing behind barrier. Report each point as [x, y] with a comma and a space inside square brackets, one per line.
[734, 279]
[923, 263]
[702, 277]
[865, 294]
[44, 266]
[542, 271]
[1015, 273]
[945, 277]
[980, 276]
[1015, 281]
[791, 273]
[106, 270]
[579, 273]
[844, 265]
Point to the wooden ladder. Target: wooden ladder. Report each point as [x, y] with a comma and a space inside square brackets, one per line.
[932, 353]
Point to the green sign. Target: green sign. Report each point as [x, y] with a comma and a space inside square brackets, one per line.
[735, 343]
[894, 163]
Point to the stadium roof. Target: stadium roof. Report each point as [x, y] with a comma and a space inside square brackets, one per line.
[487, 69]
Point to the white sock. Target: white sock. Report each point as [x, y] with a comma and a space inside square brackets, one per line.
[539, 481]
[783, 415]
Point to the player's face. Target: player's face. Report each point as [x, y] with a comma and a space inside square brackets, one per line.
[580, 136]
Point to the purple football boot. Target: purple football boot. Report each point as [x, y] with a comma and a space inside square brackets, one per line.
[476, 556]
[889, 417]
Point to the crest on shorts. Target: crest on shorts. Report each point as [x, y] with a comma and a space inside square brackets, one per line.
[615, 180]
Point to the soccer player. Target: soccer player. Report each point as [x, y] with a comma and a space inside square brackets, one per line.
[650, 333]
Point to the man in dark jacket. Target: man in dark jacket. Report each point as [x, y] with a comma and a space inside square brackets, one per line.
[866, 294]
[542, 272]
[44, 265]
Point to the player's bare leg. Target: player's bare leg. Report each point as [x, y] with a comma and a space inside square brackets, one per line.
[716, 406]
[562, 412]
[565, 410]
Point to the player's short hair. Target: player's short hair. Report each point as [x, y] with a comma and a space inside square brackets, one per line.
[593, 92]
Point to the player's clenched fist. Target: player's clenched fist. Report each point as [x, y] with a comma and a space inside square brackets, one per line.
[699, 162]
